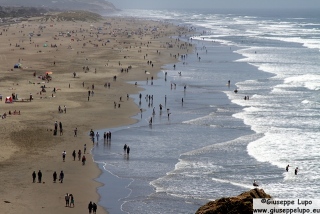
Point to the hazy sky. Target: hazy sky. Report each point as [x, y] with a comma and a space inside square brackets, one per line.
[202, 4]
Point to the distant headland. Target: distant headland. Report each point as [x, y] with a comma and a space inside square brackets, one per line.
[97, 6]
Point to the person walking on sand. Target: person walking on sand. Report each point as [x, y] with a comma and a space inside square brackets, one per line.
[71, 200]
[79, 154]
[67, 199]
[84, 160]
[94, 208]
[54, 175]
[85, 149]
[55, 128]
[34, 175]
[75, 132]
[74, 155]
[60, 128]
[64, 155]
[90, 207]
[296, 171]
[39, 176]
[61, 176]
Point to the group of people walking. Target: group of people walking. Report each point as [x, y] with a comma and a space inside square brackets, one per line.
[54, 175]
[83, 159]
[92, 207]
[106, 136]
[55, 131]
[34, 176]
[69, 200]
[126, 149]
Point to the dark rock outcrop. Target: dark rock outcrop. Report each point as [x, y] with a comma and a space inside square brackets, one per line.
[240, 204]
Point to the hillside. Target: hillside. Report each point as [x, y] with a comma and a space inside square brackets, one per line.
[98, 6]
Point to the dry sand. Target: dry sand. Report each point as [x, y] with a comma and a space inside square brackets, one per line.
[27, 141]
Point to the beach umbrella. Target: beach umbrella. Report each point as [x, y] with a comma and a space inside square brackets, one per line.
[8, 100]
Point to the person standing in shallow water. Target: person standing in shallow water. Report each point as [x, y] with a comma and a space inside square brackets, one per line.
[287, 168]
[296, 171]
[97, 136]
[128, 150]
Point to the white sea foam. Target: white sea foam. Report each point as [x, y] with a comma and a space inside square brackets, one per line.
[243, 185]
[310, 81]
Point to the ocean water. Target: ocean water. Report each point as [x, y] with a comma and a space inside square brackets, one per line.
[215, 143]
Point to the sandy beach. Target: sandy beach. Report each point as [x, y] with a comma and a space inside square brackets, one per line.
[59, 63]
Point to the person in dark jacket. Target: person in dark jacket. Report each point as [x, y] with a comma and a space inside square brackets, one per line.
[54, 176]
[34, 175]
[94, 208]
[39, 176]
[90, 206]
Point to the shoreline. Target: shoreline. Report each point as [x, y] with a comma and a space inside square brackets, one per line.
[229, 101]
[30, 134]
[120, 185]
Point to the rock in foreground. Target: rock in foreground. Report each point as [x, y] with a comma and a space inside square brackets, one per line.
[242, 203]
